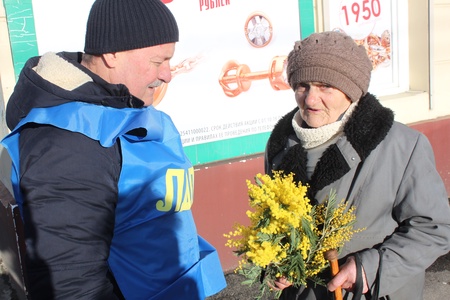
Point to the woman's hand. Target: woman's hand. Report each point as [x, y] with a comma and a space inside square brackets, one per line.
[280, 284]
[346, 277]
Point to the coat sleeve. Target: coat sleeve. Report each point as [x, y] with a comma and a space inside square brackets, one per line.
[422, 211]
[69, 186]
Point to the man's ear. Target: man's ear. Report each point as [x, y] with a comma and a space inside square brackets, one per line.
[110, 59]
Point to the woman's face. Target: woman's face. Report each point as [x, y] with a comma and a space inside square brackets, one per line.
[320, 104]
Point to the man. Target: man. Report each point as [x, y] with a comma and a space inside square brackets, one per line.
[339, 137]
[100, 176]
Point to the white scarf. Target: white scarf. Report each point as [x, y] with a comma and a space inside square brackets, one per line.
[313, 137]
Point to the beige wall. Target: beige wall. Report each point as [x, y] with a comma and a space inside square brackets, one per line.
[429, 64]
[7, 81]
[441, 54]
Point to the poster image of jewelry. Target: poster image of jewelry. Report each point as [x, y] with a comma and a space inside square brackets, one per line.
[229, 78]
[373, 24]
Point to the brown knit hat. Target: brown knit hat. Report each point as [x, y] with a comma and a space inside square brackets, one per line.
[332, 58]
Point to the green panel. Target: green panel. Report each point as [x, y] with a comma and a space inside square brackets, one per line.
[220, 150]
[306, 11]
[22, 32]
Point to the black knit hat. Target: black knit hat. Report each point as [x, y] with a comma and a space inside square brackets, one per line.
[332, 58]
[120, 25]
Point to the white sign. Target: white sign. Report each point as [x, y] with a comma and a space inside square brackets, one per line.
[228, 65]
[376, 24]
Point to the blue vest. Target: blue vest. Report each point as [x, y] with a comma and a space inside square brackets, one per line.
[156, 252]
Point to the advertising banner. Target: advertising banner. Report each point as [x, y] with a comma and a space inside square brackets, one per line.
[228, 83]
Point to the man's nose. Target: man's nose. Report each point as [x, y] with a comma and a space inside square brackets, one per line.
[164, 73]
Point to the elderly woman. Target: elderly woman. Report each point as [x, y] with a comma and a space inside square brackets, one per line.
[340, 137]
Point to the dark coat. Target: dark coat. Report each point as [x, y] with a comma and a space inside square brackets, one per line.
[83, 196]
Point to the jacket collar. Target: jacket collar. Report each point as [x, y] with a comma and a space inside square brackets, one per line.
[365, 129]
[33, 91]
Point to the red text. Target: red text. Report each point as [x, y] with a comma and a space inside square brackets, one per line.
[210, 4]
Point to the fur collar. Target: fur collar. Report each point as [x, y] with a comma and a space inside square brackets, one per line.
[365, 129]
[60, 72]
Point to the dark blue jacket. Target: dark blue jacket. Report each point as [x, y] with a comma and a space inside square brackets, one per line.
[77, 181]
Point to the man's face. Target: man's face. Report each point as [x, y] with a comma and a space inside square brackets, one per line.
[143, 70]
[320, 104]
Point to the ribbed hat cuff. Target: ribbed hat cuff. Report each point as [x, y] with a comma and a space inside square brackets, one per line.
[129, 46]
[327, 76]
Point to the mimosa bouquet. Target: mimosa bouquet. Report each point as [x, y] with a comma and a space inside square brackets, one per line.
[288, 236]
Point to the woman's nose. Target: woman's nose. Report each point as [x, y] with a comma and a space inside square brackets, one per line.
[311, 95]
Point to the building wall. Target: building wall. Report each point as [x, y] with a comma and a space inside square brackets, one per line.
[7, 82]
[220, 188]
[441, 54]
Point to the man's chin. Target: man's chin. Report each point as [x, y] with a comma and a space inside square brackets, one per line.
[148, 100]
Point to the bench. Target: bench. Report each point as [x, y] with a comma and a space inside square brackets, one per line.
[12, 244]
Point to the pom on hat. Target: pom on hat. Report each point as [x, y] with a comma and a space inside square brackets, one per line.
[120, 25]
[332, 58]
